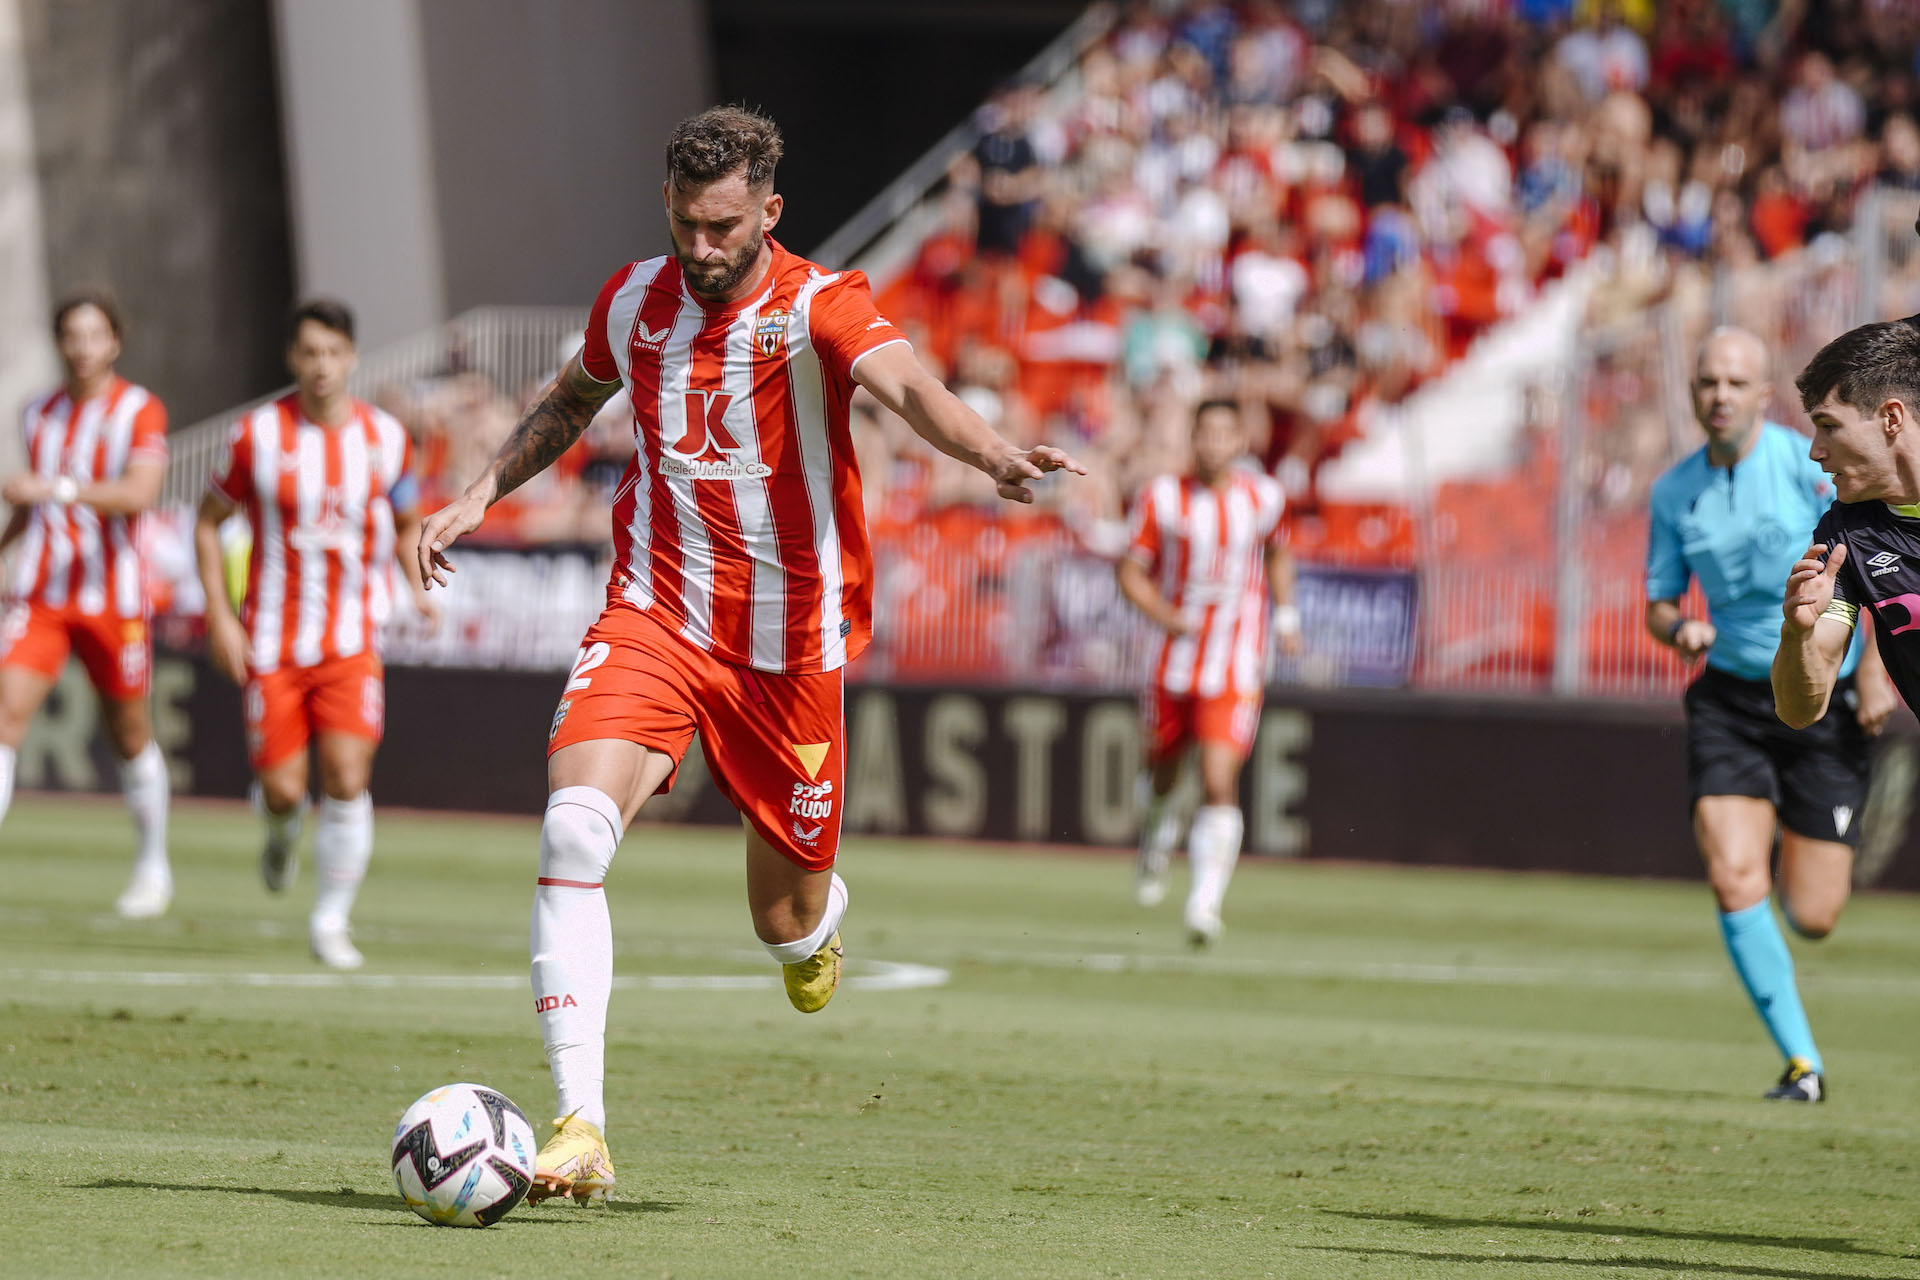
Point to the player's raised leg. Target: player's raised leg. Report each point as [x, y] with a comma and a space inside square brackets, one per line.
[1213, 843]
[144, 783]
[1735, 835]
[1816, 879]
[596, 787]
[342, 844]
[796, 915]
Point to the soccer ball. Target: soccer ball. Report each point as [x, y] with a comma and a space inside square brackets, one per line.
[463, 1156]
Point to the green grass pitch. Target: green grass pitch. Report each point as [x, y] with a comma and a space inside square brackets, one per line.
[1379, 1073]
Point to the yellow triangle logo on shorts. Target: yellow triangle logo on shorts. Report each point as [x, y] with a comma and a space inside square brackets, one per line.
[811, 756]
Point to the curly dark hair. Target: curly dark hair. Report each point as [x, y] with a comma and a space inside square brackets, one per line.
[99, 299]
[721, 141]
[328, 313]
[1865, 368]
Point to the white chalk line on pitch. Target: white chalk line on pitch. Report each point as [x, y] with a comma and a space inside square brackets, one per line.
[891, 975]
[884, 975]
[1498, 975]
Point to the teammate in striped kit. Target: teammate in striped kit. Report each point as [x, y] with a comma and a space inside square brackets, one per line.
[1206, 554]
[323, 479]
[742, 582]
[96, 452]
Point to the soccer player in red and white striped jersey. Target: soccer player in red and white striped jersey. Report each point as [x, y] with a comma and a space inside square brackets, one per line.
[324, 480]
[742, 584]
[1205, 560]
[96, 450]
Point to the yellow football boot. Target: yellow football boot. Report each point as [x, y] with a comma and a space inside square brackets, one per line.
[811, 983]
[574, 1162]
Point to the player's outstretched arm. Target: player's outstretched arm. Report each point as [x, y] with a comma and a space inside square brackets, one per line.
[563, 411]
[130, 493]
[226, 638]
[899, 381]
[1812, 641]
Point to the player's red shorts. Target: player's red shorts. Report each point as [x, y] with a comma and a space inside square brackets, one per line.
[117, 652]
[774, 743]
[1175, 721]
[287, 706]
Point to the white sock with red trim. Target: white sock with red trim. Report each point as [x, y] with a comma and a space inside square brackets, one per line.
[802, 948]
[572, 945]
[342, 847]
[144, 782]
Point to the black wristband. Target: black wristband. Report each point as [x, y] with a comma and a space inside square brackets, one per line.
[1673, 632]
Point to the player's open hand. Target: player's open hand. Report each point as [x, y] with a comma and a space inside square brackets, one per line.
[1694, 638]
[441, 530]
[1021, 465]
[1810, 585]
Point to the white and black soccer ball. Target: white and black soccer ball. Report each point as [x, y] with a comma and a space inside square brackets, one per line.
[463, 1156]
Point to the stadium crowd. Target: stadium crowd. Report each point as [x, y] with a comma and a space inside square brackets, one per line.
[1314, 207]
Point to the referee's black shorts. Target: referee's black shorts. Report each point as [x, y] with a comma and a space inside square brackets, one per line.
[1815, 778]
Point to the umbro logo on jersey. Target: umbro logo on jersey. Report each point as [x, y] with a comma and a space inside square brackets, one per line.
[1885, 562]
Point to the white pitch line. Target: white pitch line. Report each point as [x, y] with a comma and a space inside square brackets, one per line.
[886, 975]
[1499, 975]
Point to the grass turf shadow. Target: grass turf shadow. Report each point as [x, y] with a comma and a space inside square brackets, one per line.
[345, 1198]
[1675, 1266]
[1818, 1244]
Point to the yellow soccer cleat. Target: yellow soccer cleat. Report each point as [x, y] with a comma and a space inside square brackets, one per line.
[811, 983]
[574, 1162]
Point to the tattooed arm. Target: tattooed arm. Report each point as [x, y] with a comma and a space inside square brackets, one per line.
[554, 422]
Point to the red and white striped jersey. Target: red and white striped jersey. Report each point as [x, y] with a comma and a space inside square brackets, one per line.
[72, 556]
[739, 520]
[321, 501]
[1207, 549]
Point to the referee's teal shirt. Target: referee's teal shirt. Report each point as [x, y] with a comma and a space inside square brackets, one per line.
[1738, 530]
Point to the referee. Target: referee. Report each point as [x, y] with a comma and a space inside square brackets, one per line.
[1735, 515]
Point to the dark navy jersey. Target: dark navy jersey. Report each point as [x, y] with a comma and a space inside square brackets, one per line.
[1882, 577]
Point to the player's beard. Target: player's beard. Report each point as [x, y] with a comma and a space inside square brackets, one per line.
[715, 281]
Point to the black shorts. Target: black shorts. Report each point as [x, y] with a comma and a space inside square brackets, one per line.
[1815, 778]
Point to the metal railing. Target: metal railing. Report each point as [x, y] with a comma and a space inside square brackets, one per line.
[899, 200]
[514, 348]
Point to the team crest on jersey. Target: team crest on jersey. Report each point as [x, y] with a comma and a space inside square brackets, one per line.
[559, 715]
[770, 335]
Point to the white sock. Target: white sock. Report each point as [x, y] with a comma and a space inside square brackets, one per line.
[342, 846]
[144, 781]
[796, 951]
[1159, 818]
[572, 945]
[8, 756]
[1213, 846]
